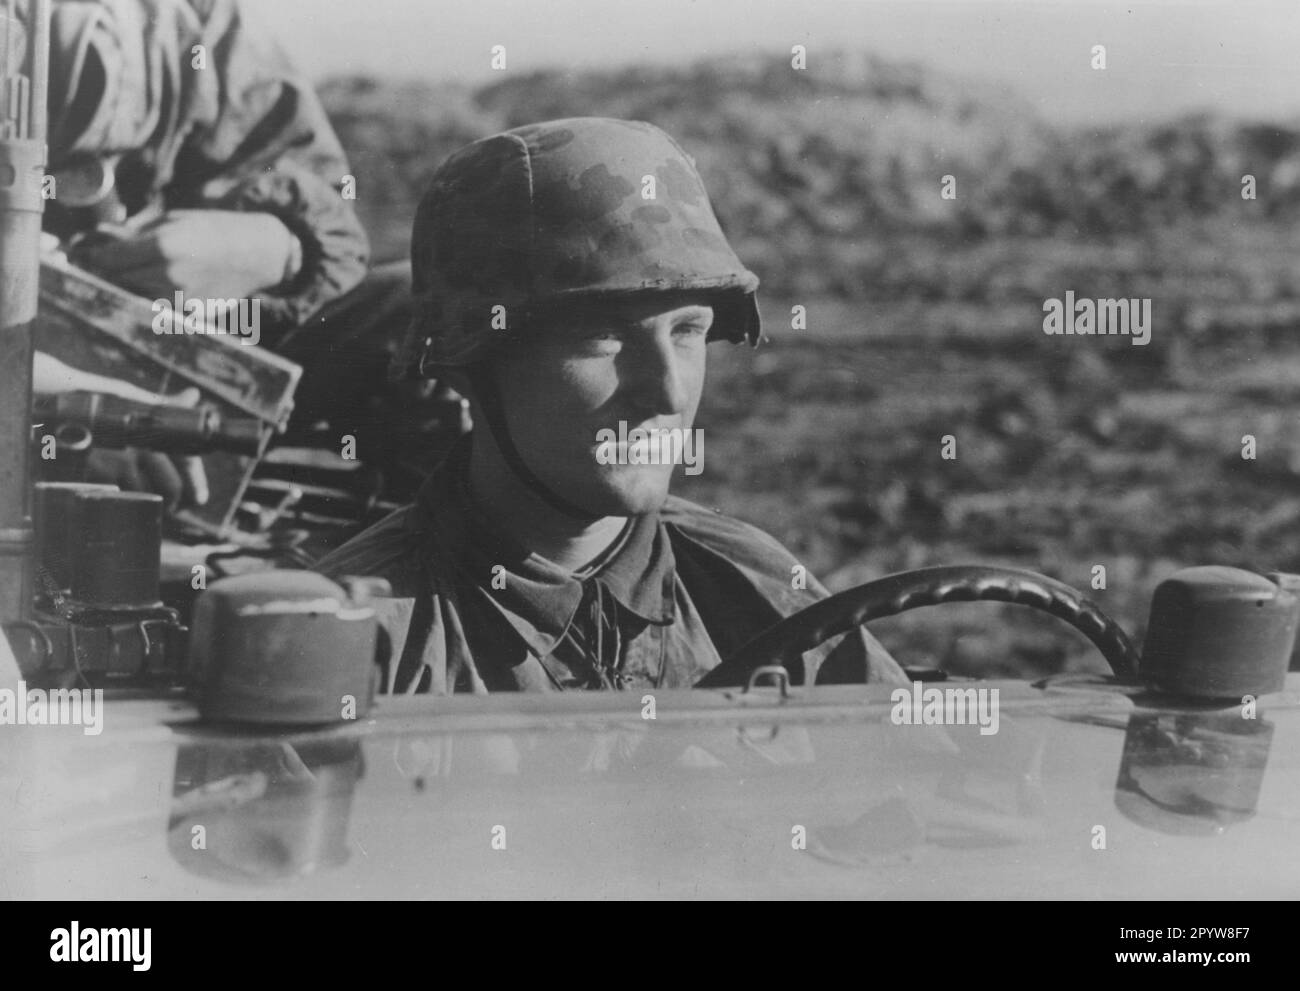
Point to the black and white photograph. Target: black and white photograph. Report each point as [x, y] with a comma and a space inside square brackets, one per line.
[697, 450]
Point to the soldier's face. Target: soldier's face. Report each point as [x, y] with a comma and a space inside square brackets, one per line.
[588, 368]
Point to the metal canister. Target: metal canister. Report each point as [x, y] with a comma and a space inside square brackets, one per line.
[52, 516]
[283, 647]
[117, 550]
[1220, 633]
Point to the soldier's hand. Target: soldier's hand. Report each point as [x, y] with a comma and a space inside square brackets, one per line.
[52, 377]
[219, 254]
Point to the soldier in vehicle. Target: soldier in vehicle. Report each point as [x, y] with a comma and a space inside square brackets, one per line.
[189, 155]
[563, 302]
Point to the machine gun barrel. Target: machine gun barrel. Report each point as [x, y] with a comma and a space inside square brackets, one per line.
[116, 422]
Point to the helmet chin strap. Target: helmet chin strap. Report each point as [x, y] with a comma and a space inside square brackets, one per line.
[489, 397]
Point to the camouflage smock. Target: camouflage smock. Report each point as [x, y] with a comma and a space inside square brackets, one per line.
[227, 126]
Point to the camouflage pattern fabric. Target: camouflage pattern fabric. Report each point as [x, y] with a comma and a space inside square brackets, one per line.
[563, 209]
[245, 133]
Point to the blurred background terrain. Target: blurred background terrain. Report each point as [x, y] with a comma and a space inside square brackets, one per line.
[924, 318]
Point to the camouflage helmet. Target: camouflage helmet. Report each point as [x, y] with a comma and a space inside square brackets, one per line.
[560, 210]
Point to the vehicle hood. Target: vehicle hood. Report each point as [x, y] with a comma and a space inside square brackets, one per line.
[1086, 790]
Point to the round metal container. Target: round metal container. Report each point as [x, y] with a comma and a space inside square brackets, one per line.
[52, 517]
[116, 550]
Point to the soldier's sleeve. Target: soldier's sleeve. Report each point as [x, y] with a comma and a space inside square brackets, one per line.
[260, 140]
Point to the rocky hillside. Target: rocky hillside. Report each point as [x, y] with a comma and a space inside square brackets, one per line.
[825, 177]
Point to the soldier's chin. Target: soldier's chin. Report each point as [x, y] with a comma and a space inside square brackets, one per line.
[627, 490]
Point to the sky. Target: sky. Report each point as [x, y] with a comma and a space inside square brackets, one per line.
[1163, 57]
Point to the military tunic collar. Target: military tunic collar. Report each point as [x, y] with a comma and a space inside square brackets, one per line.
[537, 597]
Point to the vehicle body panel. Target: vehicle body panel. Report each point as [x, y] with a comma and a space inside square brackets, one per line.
[708, 799]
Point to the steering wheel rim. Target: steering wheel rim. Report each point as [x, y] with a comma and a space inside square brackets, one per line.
[786, 641]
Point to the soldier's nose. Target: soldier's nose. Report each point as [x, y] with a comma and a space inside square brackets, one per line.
[658, 379]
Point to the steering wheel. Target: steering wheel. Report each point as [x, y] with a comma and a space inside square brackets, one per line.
[785, 642]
